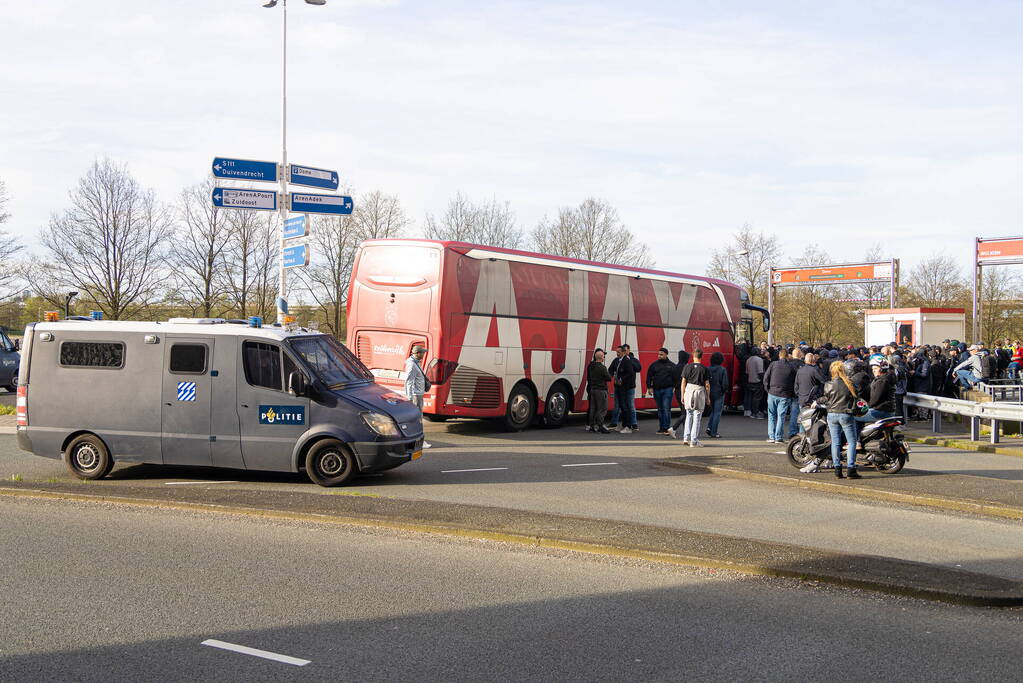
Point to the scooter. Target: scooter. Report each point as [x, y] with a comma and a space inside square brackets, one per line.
[883, 444]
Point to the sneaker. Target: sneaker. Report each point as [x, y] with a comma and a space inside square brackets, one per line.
[685, 442]
[707, 432]
[761, 417]
[662, 432]
[810, 467]
[625, 430]
[769, 440]
[604, 431]
[427, 444]
[747, 413]
[634, 428]
[715, 436]
[671, 433]
[611, 428]
[853, 474]
[589, 428]
[696, 444]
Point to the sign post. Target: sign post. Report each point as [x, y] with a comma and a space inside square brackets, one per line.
[331, 204]
[295, 257]
[296, 226]
[991, 251]
[252, 200]
[244, 169]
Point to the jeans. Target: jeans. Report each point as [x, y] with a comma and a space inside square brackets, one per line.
[778, 408]
[716, 406]
[1013, 370]
[794, 418]
[873, 415]
[839, 424]
[966, 378]
[625, 407]
[663, 399]
[691, 433]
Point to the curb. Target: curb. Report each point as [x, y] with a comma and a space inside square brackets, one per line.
[965, 445]
[1006, 593]
[852, 491]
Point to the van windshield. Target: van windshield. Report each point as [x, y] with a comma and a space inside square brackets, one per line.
[330, 360]
[5, 342]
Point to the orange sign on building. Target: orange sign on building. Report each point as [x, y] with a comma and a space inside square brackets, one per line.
[809, 275]
[1004, 249]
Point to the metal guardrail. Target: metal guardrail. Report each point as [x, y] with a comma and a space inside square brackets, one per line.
[995, 412]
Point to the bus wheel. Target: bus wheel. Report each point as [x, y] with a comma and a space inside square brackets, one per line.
[87, 457]
[521, 408]
[330, 463]
[557, 405]
[436, 418]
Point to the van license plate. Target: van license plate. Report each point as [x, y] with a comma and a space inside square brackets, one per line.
[416, 455]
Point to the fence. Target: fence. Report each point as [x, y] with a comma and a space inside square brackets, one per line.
[995, 412]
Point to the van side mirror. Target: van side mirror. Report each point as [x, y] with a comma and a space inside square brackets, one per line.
[297, 385]
[17, 344]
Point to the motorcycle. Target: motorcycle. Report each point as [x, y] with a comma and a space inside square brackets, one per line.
[883, 445]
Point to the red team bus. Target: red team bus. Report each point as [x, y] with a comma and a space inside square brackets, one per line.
[509, 333]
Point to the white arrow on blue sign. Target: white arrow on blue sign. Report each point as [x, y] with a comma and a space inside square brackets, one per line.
[312, 177]
[245, 169]
[296, 256]
[302, 202]
[296, 226]
[255, 200]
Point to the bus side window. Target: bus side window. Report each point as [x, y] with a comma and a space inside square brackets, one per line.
[262, 365]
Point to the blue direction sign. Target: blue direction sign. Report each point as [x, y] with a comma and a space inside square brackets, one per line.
[321, 203]
[296, 256]
[245, 169]
[255, 200]
[296, 226]
[312, 177]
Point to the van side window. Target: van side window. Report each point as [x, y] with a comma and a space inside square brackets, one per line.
[262, 365]
[92, 354]
[188, 359]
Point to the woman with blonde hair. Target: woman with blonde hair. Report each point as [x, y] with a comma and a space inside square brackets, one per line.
[840, 400]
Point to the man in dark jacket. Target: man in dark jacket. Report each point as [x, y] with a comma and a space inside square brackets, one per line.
[624, 369]
[660, 380]
[780, 381]
[810, 379]
[597, 378]
[881, 401]
[719, 386]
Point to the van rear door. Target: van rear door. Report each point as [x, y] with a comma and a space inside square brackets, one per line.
[187, 388]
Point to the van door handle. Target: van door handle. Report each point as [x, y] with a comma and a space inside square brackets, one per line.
[166, 404]
[245, 405]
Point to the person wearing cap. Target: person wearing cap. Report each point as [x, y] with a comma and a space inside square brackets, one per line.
[415, 380]
[969, 371]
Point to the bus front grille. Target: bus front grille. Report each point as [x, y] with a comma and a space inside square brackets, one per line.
[474, 389]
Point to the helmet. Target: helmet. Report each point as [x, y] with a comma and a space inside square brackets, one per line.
[880, 362]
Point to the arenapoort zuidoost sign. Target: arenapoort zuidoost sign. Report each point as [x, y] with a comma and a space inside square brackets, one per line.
[252, 200]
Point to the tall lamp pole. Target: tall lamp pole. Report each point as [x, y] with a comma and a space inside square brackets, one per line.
[282, 273]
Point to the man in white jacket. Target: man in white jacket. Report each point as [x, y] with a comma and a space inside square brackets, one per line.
[970, 370]
[415, 380]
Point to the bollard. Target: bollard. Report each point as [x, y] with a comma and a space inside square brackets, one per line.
[974, 428]
[994, 431]
[936, 421]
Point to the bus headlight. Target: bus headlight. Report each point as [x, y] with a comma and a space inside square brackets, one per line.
[382, 424]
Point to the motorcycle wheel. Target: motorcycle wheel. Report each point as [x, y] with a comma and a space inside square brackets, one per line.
[799, 452]
[894, 465]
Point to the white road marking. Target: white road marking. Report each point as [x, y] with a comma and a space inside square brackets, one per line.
[482, 469]
[179, 483]
[285, 659]
[589, 464]
[780, 453]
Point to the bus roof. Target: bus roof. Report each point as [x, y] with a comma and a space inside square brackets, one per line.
[482, 251]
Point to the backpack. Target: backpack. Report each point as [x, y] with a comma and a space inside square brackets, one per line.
[989, 366]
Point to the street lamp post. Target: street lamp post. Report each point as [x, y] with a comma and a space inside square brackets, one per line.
[282, 273]
[67, 303]
[728, 263]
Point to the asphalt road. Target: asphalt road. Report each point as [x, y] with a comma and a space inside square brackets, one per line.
[108, 593]
[617, 477]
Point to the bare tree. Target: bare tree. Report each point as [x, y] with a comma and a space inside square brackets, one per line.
[937, 281]
[9, 248]
[747, 261]
[266, 259]
[999, 303]
[488, 223]
[592, 231]
[334, 241]
[873, 293]
[196, 253]
[110, 244]
[238, 276]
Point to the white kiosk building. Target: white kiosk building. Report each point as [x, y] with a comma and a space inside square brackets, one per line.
[913, 326]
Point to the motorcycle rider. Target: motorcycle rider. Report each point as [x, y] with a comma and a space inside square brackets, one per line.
[882, 392]
[840, 399]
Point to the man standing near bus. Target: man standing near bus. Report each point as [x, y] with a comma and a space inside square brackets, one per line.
[624, 369]
[597, 378]
[660, 379]
[415, 380]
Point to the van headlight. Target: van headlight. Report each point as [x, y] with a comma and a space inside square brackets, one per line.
[384, 425]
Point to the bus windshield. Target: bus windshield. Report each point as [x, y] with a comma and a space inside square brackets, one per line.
[334, 364]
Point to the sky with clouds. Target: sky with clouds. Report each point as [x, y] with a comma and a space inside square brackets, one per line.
[836, 122]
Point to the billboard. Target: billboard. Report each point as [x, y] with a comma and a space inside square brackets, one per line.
[1000, 250]
[836, 274]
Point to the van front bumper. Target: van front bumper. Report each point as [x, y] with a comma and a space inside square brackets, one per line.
[377, 456]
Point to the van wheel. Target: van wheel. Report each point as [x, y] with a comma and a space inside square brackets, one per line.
[557, 405]
[330, 463]
[521, 408]
[87, 457]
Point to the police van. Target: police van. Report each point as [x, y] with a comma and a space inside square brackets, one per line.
[9, 362]
[207, 392]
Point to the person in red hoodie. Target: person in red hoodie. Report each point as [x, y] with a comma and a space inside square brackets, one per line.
[1016, 363]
